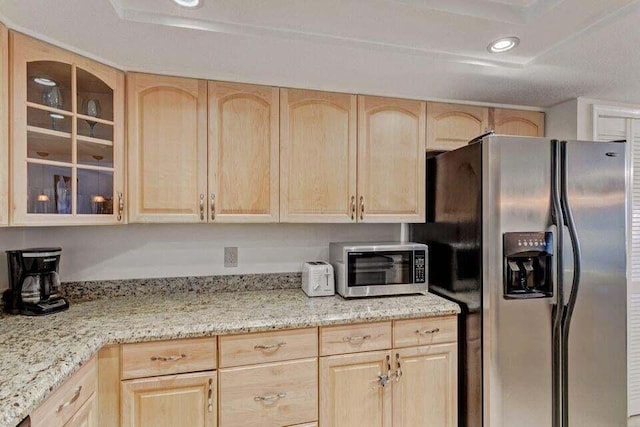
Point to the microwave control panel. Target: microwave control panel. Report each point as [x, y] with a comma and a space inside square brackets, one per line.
[419, 266]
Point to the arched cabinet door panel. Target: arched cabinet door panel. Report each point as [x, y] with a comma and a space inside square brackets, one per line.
[450, 126]
[518, 122]
[243, 152]
[67, 137]
[391, 160]
[167, 122]
[317, 156]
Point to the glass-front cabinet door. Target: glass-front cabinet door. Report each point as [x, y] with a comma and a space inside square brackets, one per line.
[67, 137]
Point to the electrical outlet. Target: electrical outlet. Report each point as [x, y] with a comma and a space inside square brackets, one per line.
[231, 256]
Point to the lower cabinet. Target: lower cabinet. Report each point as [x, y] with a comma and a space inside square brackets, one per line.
[172, 400]
[425, 389]
[414, 384]
[400, 373]
[87, 415]
[270, 395]
[352, 391]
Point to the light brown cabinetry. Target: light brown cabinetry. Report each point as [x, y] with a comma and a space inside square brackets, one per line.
[317, 156]
[350, 392]
[173, 400]
[409, 385]
[391, 160]
[426, 393]
[75, 397]
[87, 415]
[167, 122]
[450, 126]
[518, 122]
[270, 395]
[243, 152]
[4, 125]
[67, 136]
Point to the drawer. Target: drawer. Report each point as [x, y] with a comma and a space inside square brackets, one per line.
[149, 359]
[355, 338]
[432, 330]
[58, 408]
[274, 394]
[251, 349]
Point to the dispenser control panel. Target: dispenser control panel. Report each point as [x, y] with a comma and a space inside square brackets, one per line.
[528, 258]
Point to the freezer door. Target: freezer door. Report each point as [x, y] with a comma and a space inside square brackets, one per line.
[597, 335]
[516, 332]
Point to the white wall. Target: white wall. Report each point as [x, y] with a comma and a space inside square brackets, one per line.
[142, 251]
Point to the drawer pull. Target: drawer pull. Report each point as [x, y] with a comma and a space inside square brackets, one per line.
[270, 397]
[356, 340]
[269, 347]
[168, 358]
[428, 331]
[71, 401]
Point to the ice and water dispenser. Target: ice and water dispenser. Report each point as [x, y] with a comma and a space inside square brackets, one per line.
[528, 265]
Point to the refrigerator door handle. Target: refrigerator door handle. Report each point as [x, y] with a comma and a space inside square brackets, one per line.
[558, 308]
[573, 295]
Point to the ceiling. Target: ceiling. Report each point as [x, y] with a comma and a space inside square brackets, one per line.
[428, 49]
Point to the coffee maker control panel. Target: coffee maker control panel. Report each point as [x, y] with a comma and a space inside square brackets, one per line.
[528, 258]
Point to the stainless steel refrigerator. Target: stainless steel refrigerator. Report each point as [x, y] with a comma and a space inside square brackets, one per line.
[528, 236]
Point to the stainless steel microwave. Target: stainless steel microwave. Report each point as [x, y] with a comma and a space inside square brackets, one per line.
[375, 269]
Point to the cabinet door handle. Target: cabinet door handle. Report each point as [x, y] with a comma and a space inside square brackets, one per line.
[398, 373]
[120, 206]
[210, 396]
[427, 331]
[353, 208]
[201, 207]
[270, 397]
[269, 346]
[383, 379]
[168, 358]
[361, 208]
[71, 401]
[213, 207]
[357, 339]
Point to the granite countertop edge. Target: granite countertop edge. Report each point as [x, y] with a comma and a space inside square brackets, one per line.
[15, 405]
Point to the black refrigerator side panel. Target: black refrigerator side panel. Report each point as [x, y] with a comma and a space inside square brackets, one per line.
[453, 232]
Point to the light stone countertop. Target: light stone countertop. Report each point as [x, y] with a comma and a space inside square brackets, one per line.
[37, 354]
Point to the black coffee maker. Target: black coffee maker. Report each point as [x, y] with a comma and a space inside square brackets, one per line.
[34, 284]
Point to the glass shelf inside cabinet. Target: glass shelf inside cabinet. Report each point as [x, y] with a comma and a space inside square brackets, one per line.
[95, 98]
[49, 84]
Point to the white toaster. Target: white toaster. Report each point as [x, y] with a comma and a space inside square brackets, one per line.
[317, 279]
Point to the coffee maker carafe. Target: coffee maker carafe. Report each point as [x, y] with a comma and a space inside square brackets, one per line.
[34, 284]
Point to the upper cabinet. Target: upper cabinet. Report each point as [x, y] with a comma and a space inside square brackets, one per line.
[167, 121]
[67, 115]
[518, 122]
[243, 153]
[317, 156]
[450, 126]
[4, 125]
[391, 160]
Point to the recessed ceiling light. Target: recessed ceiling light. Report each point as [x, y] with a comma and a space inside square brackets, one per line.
[502, 45]
[44, 81]
[188, 3]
